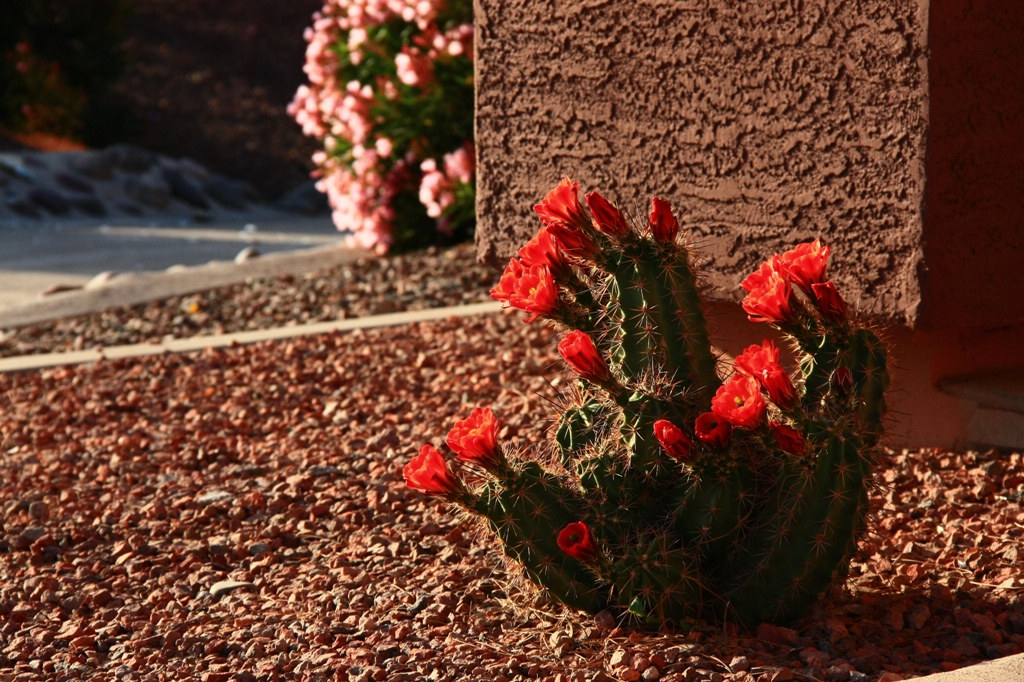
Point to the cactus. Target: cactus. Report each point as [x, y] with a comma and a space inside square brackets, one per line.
[684, 486]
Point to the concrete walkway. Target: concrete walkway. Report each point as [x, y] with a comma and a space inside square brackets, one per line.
[79, 221]
[40, 264]
[1008, 669]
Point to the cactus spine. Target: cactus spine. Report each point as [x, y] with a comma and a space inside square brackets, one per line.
[687, 488]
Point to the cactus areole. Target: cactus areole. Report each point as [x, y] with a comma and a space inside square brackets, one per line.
[684, 486]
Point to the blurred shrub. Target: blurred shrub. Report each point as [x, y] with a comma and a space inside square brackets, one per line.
[390, 97]
[58, 60]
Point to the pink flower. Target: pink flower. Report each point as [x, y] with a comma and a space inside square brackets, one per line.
[435, 191]
[428, 472]
[414, 68]
[338, 112]
[384, 146]
[580, 353]
[672, 439]
[739, 402]
[664, 225]
[577, 541]
[460, 165]
[438, 185]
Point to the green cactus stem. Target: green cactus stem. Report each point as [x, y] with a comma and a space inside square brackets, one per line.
[526, 509]
[684, 486]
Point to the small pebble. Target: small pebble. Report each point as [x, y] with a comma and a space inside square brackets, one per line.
[226, 586]
[215, 496]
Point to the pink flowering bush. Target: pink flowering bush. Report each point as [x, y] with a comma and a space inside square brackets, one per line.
[390, 94]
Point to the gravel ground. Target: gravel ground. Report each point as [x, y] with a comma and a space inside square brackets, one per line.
[239, 514]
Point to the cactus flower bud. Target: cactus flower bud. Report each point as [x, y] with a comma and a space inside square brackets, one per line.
[429, 473]
[712, 430]
[830, 303]
[576, 541]
[676, 443]
[804, 265]
[762, 363]
[769, 296]
[475, 439]
[842, 379]
[528, 288]
[779, 386]
[664, 225]
[607, 218]
[739, 402]
[788, 438]
[580, 353]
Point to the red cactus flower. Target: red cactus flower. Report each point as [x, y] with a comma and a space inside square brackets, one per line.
[762, 363]
[577, 541]
[758, 279]
[475, 438]
[528, 288]
[561, 212]
[712, 430]
[664, 225]
[580, 353]
[769, 296]
[607, 218]
[429, 473]
[542, 251]
[676, 443]
[788, 438]
[739, 402]
[758, 356]
[805, 264]
[830, 303]
[571, 241]
[562, 206]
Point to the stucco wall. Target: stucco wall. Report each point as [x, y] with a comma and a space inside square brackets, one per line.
[974, 207]
[770, 124]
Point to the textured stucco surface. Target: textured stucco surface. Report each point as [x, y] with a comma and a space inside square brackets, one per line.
[770, 122]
